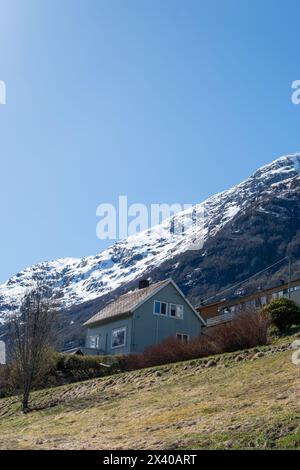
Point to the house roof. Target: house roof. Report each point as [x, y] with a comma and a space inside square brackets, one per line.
[126, 303]
[244, 298]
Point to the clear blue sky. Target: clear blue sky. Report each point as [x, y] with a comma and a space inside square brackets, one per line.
[162, 100]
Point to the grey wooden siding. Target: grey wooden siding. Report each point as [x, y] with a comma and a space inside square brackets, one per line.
[105, 332]
[144, 328]
[149, 329]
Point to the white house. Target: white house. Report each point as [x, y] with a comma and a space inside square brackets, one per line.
[2, 353]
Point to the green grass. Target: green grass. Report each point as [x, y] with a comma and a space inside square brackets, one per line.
[235, 405]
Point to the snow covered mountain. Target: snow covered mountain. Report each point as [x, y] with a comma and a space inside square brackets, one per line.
[83, 280]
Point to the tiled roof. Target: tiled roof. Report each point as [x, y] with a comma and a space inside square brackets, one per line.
[125, 303]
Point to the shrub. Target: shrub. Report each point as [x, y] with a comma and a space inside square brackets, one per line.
[283, 312]
[76, 367]
[245, 331]
[61, 369]
[11, 383]
[7, 380]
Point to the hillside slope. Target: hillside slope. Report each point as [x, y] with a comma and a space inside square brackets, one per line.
[249, 402]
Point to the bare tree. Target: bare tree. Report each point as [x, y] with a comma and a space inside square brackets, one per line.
[31, 330]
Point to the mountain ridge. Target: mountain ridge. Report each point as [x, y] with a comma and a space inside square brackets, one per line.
[270, 192]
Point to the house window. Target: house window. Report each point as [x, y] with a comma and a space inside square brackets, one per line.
[160, 308]
[184, 339]
[176, 311]
[118, 337]
[95, 341]
[263, 300]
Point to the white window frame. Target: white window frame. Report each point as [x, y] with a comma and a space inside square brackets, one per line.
[264, 300]
[123, 328]
[160, 314]
[181, 339]
[176, 305]
[96, 341]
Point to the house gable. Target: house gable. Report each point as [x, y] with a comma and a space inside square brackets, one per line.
[181, 294]
[150, 328]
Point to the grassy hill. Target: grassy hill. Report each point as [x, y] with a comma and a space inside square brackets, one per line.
[240, 400]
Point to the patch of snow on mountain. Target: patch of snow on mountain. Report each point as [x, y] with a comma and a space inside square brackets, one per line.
[79, 280]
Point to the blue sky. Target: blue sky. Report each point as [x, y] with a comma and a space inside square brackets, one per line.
[161, 100]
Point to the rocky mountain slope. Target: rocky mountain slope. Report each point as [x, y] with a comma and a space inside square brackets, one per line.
[229, 237]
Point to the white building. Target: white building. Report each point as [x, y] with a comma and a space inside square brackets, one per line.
[2, 353]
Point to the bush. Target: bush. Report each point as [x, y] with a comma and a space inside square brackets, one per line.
[11, 382]
[73, 368]
[283, 312]
[7, 380]
[60, 369]
[245, 331]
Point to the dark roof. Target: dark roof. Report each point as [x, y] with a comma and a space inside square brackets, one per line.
[126, 303]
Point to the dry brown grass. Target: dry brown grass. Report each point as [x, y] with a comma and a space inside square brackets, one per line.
[254, 403]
